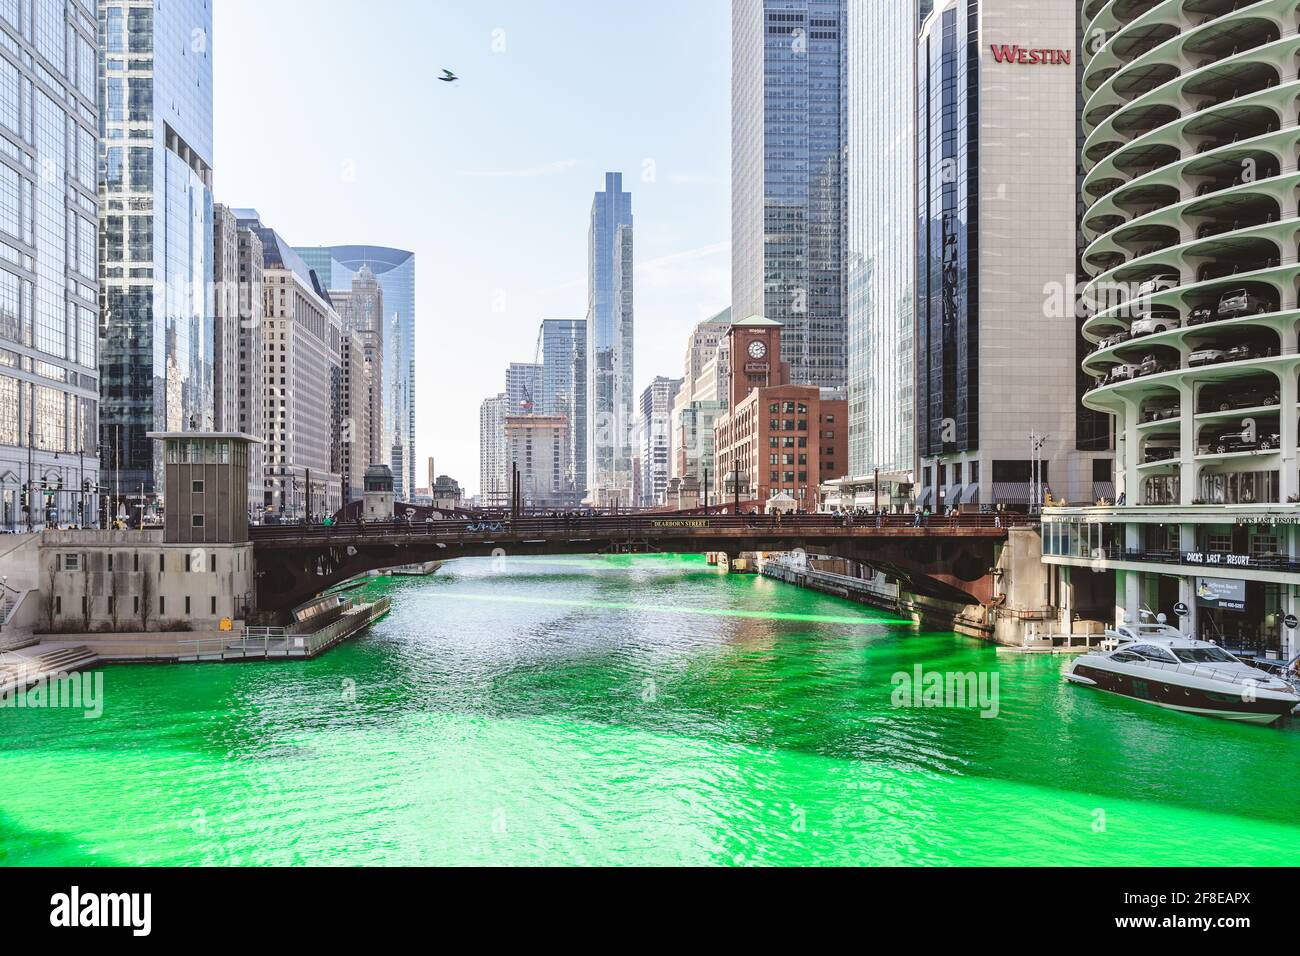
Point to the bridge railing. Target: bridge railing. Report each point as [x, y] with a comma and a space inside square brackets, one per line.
[578, 526]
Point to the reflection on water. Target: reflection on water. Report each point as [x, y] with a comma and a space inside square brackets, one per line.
[631, 710]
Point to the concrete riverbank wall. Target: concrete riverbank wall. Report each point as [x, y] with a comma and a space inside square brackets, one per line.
[1018, 613]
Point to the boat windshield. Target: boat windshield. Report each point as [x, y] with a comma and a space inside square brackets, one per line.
[1203, 655]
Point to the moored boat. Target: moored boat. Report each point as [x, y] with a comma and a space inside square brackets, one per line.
[1182, 673]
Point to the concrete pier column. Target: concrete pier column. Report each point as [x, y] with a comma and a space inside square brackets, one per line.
[1288, 432]
[1127, 597]
[1187, 437]
[1290, 643]
[1191, 623]
[1065, 595]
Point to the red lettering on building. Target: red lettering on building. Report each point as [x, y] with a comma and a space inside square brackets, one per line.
[1015, 53]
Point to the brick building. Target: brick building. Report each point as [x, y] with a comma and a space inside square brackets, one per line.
[776, 436]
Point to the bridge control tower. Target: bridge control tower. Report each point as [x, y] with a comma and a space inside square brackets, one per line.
[379, 497]
[205, 480]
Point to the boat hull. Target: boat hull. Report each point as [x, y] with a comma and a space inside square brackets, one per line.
[1264, 709]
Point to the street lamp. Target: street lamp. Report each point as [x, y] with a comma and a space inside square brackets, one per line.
[1036, 443]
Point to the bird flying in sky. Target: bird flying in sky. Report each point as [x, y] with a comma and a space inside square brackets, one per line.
[448, 76]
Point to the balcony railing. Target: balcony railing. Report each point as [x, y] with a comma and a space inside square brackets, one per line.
[1193, 559]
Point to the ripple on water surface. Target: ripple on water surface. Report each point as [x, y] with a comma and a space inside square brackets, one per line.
[631, 710]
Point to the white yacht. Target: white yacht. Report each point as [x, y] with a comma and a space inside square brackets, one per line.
[1182, 673]
[1151, 626]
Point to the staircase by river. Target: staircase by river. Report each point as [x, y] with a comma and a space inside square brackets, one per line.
[20, 669]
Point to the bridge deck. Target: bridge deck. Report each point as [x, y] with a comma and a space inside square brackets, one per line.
[950, 557]
[721, 528]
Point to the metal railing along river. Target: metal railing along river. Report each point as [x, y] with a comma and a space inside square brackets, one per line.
[264, 643]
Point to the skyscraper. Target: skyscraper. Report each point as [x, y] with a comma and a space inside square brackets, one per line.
[252, 406]
[1191, 334]
[225, 317]
[699, 402]
[880, 229]
[354, 439]
[156, 359]
[395, 270]
[48, 209]
[996, 337]
[493, 486]
[361, 310]
[303, 381]
[564, 388]
[523, 388]
[537, 445]
[609, 345]
[787, 138]
[656, 437]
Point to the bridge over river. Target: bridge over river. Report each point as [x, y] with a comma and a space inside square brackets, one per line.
[948, 558]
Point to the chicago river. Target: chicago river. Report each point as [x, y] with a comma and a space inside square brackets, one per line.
[639, 710]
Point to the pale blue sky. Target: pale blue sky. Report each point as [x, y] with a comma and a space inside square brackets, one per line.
[330, 122]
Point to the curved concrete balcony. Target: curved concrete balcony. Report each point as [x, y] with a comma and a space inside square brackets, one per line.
[1195, 133]
[1264, 334]
[1216, 239]
[1152, 54]
[1278, 279]
[1135, 392]
[1121, 30]
[1279, 188]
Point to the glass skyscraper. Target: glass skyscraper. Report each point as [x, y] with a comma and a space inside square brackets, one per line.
[787, 140]
[337, 266]
[609, 345]
[948, 273]
[564, 388]
[48, 225]
[880, 229]
[155, 125]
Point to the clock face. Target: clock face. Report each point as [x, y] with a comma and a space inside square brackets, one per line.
[757, 349]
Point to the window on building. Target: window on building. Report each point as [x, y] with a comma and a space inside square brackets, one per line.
[196, 521]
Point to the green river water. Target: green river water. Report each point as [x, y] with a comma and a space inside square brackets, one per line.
[642, 710]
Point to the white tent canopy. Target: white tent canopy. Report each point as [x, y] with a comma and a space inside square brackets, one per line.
[781, 502]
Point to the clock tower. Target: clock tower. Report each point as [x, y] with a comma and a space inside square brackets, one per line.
[755, 345]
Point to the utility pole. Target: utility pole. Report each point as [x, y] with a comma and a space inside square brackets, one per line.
[1036, 443]
[735, 483]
